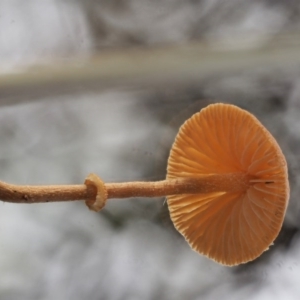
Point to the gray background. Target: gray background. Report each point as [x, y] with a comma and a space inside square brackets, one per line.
[131, 250]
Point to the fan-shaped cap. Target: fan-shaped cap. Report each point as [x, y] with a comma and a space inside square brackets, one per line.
[229, 227]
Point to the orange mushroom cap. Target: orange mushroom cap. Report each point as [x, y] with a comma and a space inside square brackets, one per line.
[230, 227]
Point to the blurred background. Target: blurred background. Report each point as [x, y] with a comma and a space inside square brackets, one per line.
[73, 102]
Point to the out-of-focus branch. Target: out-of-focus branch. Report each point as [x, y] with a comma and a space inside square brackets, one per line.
[153, 67]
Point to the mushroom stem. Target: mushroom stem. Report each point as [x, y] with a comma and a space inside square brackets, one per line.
[204, 184]
[39, 194]
[89, 190]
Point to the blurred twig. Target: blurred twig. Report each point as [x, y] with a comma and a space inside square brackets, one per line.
[154, 67]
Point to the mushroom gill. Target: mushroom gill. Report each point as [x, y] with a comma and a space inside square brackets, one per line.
[240, 221]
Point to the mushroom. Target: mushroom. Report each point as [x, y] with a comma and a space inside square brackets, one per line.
[227, 186]
[241, 214]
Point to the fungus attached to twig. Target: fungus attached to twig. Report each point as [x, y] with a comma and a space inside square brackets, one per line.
[227, 187]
